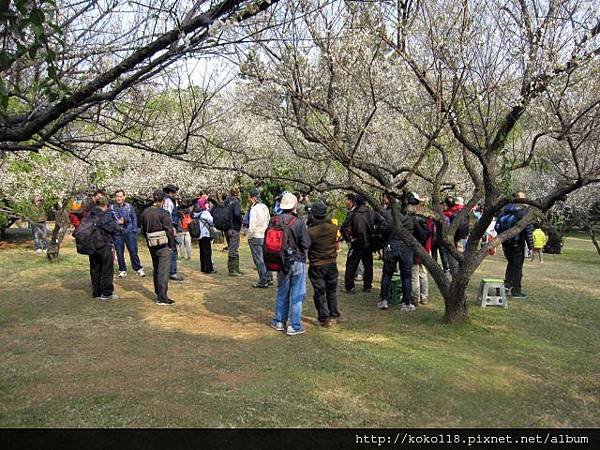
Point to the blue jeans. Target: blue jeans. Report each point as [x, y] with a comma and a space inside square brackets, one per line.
[174, 256]
[40, 235]
[128, 240]
[173, 270]
[291, 292]
[256, 248]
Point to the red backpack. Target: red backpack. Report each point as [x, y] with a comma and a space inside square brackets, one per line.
[278, 248]
[186, 219]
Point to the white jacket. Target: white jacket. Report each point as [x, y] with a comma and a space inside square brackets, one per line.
[259, 221]
[204, 218]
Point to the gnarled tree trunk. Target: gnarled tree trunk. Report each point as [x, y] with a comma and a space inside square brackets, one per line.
[61, 226]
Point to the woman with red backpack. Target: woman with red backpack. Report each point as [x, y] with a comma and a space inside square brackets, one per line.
[184, 240]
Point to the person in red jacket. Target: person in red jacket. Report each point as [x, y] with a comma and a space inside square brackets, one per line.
[454, 207]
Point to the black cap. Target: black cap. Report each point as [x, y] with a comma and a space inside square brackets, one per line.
[158, 196]
[318, 209]
[170, 188]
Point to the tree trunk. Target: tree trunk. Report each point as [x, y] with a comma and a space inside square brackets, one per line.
[594, 240]
[455, 300]
[61, 225]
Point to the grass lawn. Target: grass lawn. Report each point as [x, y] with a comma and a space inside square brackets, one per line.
[212, 361]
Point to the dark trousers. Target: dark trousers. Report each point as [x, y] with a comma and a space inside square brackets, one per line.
[206, 264]
[101, 272]
[173, 268]
[128, 240]
[397, 253]
[161, 266]
[515, 255]
[443, 256]
[355, 256]
[324, 280]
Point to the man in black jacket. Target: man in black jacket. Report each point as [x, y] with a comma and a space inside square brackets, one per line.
[233, 234]
[291, 285]
[101, 261]
[156, 219]
[170, 205]
[397, 253]
[358, 230]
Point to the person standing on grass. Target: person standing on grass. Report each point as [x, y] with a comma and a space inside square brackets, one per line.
[539, 242]
[357, 230]
[183, 238]
[126, 217]
[257, 225]
[39, 229]
[291, 285]
[159, 231]
[101, 261]
[233, 234]
[170, 205]
[514, 248]
[397, 253]
[323, 271]
[424, 229]
[202, 213]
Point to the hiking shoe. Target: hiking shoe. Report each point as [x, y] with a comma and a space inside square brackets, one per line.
[109, 297]
[235, 274]
[122, 274]
[141, 272]
[518, 295]
[367, 290]
[260, 286]
[325, 323]
[38, 250]
[167, 302]
[176, 277]
[278, 326]
[406, 307]
[383, 304]
[291, 332]
[351, 291]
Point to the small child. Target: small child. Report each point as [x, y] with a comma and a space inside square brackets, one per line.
[539, 242]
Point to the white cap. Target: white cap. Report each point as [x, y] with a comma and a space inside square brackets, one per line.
[459, 201]
[288, 201]
[418, 197]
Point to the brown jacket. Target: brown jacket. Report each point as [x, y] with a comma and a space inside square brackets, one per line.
[323, 249]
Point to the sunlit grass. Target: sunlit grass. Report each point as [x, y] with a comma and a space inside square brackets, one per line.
[212, 360]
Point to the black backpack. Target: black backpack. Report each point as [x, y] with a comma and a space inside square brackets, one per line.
[420, 231]
[381, 232]
[89, 237]
[222, 217]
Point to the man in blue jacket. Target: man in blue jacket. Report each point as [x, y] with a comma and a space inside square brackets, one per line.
[125, 216]
[514, 248]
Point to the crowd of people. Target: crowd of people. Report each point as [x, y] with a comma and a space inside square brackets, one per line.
[282, 241]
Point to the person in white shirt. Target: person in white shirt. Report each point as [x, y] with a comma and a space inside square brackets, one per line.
[205, 220]
[258, 223]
